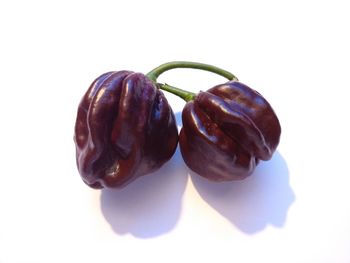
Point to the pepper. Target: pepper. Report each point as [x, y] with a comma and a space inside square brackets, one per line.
[124, 129]
[227, 129]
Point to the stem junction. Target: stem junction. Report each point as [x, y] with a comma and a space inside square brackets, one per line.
[186, 95]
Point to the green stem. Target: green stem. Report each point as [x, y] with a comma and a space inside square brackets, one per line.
[186, 95]
[155, 73]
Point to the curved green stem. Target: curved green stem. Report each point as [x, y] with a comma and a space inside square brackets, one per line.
[155, 73]
[186, 95]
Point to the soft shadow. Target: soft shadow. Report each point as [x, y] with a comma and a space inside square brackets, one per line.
[261, 199]
[151, 205]
[178, 117]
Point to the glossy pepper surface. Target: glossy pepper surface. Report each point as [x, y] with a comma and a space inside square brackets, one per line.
[227, 130]
[124, 129]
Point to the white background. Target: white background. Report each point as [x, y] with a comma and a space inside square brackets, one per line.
[295, 208]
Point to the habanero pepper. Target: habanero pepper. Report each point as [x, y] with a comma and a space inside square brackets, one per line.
[227, 129]
[124, 129]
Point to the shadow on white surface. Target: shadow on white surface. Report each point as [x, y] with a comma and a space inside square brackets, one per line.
[151, 205]
[261, 199]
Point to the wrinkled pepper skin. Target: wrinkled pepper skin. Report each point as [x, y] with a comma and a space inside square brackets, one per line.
[226, 131]
[124, 129]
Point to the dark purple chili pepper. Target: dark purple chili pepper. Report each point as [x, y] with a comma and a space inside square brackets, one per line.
[227, 129]
[124, 129]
